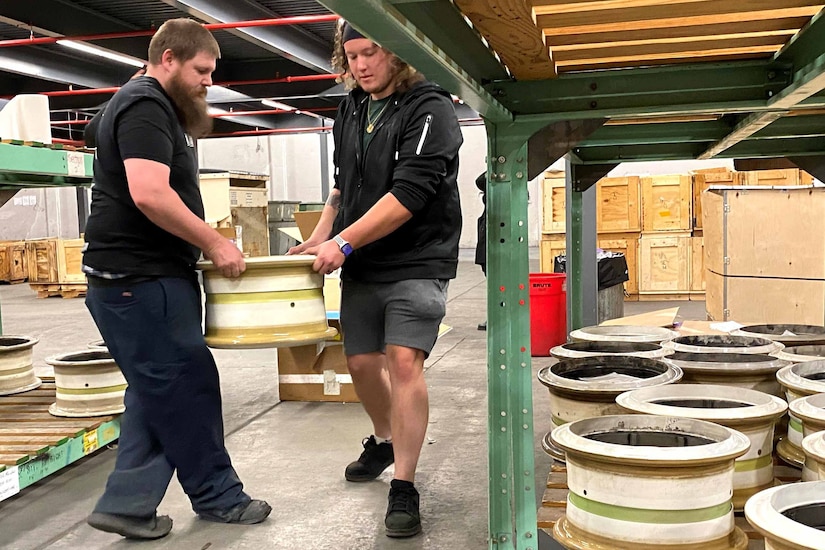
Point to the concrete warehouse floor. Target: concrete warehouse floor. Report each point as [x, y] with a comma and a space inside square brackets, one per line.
[293, 454]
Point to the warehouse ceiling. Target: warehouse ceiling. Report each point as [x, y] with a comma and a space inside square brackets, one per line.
[624, 80]
[252, 57]
[639, 79]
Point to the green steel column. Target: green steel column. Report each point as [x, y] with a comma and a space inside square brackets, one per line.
[509, 381]
[582, 269]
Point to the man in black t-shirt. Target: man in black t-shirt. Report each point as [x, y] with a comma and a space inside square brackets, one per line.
[144, 235]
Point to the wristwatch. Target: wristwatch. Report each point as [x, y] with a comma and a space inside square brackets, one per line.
[346, 248]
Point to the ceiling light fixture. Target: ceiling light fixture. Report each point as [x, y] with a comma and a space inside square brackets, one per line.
[277, 105]
[102, 52]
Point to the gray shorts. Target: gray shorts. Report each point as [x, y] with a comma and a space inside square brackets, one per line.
[405, 313]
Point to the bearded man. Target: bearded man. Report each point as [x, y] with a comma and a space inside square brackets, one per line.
[143, 237]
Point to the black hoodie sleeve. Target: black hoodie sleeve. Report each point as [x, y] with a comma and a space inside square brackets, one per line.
[429, 140]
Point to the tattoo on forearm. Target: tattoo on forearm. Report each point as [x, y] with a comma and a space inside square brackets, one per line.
[334, 200]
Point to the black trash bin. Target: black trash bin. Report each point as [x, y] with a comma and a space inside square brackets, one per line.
[612, 268]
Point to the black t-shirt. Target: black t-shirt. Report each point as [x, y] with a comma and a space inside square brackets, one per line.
[140, 122]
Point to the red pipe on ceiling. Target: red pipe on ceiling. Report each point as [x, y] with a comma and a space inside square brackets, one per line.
[72, 142]
[281, 80]
[272, 112]
[276, 131]
[299, 20]
[69, 122]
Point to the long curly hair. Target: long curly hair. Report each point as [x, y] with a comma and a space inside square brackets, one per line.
[405, 74]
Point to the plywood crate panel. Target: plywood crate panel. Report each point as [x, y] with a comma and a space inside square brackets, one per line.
[55, 261]
[765, 300]
[666, 203]
[627, 244]
[550, 247]
[764, 232]
[664, 263]
[783, 177]
[697, 264]
[618, 205]
[553, 203]
[250, 224]
[13, 268]
[702, 179]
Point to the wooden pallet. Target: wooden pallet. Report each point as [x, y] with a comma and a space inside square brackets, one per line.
[554, 501]
[35, 444]
[64, 290]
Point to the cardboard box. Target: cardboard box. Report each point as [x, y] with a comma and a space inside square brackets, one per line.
[316, 372]
[307, 221]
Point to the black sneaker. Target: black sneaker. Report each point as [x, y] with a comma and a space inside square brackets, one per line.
[403, 519]
[374, 460]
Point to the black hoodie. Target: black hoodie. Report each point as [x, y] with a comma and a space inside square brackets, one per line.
[413, 154]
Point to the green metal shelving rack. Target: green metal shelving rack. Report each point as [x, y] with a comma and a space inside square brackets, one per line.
[30, 165]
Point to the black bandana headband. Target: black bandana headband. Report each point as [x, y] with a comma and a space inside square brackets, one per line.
[350, 33]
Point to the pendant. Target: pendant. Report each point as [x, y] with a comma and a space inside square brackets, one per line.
[370, 128]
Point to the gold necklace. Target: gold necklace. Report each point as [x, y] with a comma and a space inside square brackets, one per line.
[370, 120]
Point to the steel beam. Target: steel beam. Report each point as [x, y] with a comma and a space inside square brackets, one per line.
[674, 132]
[686, 88]
[461, 42]
[749, 126]
[512, 498]
[580, 246]
[554, 141]
[293, 43]
[634, 153]
[814, 165]
[805, 52]
[767, 148]
[383, 23]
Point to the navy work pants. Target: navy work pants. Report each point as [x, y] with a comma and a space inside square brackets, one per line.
[173, 420]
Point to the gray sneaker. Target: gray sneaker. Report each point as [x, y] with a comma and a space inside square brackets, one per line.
[249, 513]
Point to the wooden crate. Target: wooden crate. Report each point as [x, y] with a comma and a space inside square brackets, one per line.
[763, 232]
[664, 263]
[618, 205]
[697, 263]
[553, 203]
[252, 229]
[315, 372]
[627, 244]
[221, 191]
[13, 267]
[762, 300]
[702, 179]
[550, 247]
[783, 177]
[666, 203]
[55, 261]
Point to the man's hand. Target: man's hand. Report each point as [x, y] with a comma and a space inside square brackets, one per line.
[304, 247]
[328, 257]
[227, 258]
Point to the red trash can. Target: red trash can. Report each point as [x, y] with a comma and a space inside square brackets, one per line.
[548, 312]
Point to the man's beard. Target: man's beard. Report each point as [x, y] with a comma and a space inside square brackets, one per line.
[192, 109]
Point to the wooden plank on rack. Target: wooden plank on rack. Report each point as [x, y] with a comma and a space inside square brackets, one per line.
[509, 27]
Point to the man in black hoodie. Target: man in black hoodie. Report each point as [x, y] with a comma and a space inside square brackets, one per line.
[392, 221]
